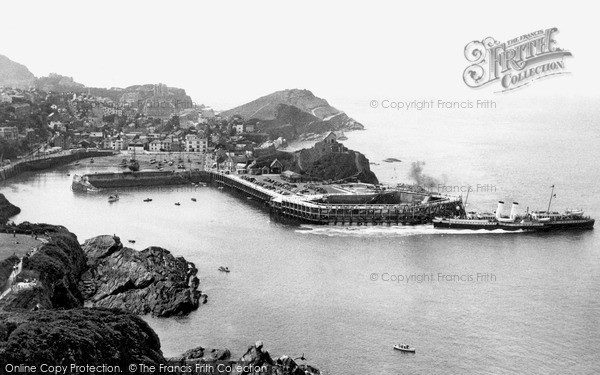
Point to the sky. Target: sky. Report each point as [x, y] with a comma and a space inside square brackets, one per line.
[226, 53]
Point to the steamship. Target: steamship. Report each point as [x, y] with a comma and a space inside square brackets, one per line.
[531, 221]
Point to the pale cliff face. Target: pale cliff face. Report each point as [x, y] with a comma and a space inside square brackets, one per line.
[13, 74]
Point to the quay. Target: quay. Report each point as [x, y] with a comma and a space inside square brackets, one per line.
[312, 209]
[38, 161]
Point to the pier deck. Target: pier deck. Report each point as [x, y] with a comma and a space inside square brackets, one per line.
[304, 207]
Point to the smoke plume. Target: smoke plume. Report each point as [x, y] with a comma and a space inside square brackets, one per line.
[422, 179]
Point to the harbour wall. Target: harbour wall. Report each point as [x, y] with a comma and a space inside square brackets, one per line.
[50, 161]
[146, 179]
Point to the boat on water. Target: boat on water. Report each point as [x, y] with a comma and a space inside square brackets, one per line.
[193, 199]
[113, 198]
[224, 269]
[133, 165]
[147, 200]
[131, 241]
[530, 221]
[405, 348]
[92, 161]
[177, 204]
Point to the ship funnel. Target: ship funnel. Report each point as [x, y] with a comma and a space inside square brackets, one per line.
[513, 210]
[499, 209]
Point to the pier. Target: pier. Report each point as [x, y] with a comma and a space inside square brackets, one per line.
[306, 209]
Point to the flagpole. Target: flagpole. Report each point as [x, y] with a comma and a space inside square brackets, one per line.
[551, 194]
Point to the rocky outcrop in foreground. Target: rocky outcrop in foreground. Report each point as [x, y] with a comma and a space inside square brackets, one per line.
[77, 336]
[151, 281]
[97, 337]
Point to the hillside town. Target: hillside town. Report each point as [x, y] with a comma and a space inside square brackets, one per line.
[144, 119]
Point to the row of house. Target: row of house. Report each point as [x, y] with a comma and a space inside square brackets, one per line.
[10, 133]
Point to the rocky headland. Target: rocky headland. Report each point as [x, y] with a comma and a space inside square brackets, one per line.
[321, 162]
[102, 273]
[293, 114]
[151, 281]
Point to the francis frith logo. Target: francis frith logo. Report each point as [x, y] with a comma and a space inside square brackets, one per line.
[515, 63]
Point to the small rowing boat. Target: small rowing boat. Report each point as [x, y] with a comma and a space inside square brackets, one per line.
[405, 348]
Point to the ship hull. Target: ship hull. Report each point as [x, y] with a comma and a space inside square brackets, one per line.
[528, 226]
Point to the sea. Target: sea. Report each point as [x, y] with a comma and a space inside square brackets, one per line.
[470, 302]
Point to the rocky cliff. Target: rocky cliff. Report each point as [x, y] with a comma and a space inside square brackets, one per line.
[7, 210]
[321, 163]
[47, 325]
[103, 337]
[58, 83]
[294, 113]
[151, 281]
[13, 74]
[77, 336]
[104, 274]
[56, 266]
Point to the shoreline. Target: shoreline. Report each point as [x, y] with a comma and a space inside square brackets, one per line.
[100, 250]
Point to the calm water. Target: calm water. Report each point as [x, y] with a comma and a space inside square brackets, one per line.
[310, 289]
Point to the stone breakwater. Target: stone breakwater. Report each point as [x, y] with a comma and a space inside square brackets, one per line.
[137, 179]
[151, 281]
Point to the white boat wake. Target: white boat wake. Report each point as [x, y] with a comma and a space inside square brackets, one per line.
[391, 231]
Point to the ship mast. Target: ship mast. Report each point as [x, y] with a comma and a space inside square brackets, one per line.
[550, 202]
[467, 198]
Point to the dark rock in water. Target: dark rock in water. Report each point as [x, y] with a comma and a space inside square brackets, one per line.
[80, 336]
[7, 210]
[392, 160]
[207, 355]
[149, 281]
[256, 356]
[255, 361]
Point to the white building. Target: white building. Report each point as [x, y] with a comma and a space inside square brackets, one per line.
[135, 146]
[193, 143]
